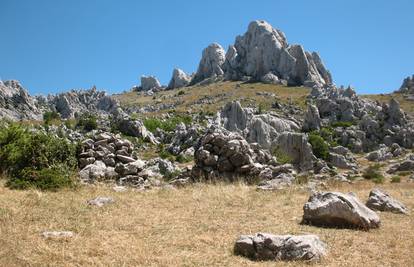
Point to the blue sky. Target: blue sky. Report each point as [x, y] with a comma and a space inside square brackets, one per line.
[55, 45]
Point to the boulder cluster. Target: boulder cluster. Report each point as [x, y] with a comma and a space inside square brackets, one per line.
[222, 153]
[108, 157]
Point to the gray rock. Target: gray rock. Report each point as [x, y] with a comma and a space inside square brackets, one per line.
[336, 209]
[100, 201]
[149, 83]
[179, 79]
[93, 172]
[341, 161]
[282, 181]
[261, 129]
[211, 63]
[312, 119]
[16, 103]
[270, 78]
[76, 102]
[296, 146]
[264, 246]
[380, 200]
[263, 49]
[125, 159]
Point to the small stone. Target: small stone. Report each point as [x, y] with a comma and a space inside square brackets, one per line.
[100, 201]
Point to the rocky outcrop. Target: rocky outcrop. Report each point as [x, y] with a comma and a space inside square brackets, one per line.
[380, 200]
[211, 64]
[264, 246]
[407, 86]
[77, 102]
[263, 50]
[297, 148]
[179, 79]
[16, 103]
[256, 128]
[150, 83]
[335, 209]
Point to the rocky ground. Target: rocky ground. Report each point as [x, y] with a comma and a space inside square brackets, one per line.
[161, 169]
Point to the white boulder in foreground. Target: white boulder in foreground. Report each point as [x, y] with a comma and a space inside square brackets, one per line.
[334, 209]
[280, 247]
[380, 200]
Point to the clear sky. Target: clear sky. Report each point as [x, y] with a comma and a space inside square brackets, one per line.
[55, 45]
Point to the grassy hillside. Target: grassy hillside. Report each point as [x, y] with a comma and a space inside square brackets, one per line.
[212, 97]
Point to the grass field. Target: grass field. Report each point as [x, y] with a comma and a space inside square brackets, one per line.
[193, 226]
[219, 94]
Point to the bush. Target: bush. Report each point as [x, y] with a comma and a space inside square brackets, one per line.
[319, 147]
[50, 116]
[395, 179]
[183, 159]
[281, 156]
[181, 92]
[35, 159]
[343, 124]
[167, 125]
[87, 122]
[373, 173]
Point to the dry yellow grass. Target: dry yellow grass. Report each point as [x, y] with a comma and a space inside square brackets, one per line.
[194, 226]
[222, 93]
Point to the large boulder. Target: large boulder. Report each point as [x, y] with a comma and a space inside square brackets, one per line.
[179, 79]
[336, 209]
[211, 64]
[264, 246]
[297, 148]
[382, 201]
[263, 49]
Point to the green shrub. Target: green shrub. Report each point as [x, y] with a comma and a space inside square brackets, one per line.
[50, 116]
[167, 125]
[87, 122]
[319, 147]
[181, 92]
[373, 173]
[164, 154]
[35, 159]
[281, 156]
[396, 179]
[343, 124]
[183, 159]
